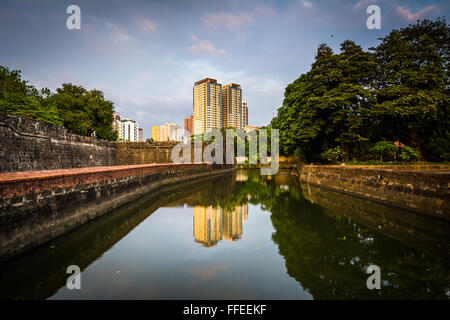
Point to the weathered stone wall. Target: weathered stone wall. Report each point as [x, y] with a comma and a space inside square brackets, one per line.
[158, 152]
[36, 207]
[421, 191]
[27, 144]
[142, 152]
[418, 230]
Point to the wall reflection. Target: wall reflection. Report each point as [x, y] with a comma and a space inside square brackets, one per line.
[212, 224]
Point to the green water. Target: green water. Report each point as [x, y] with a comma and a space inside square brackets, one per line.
[241, 236]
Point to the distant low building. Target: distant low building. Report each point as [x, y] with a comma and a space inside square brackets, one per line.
[167, 132]
[127, 129]
[248, 128]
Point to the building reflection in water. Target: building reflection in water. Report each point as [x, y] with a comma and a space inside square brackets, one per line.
[212, 224]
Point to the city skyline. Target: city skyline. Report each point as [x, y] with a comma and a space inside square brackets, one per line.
[137, 52]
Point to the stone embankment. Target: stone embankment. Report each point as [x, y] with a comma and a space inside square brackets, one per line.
[423, 189]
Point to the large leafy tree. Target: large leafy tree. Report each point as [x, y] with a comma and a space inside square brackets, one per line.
[327, 106]
[19, 98]
[85, 112]
[353, 99]
[412, 84]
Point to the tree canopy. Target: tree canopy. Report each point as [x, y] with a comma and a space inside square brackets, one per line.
[79, 110]
[350, 100]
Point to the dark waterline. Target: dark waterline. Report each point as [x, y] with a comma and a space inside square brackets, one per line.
[241, 236]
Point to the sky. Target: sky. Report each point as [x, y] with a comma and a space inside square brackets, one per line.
[146, 55]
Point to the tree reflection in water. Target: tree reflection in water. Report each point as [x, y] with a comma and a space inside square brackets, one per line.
[328, 253]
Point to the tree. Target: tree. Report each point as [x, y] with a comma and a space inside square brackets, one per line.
[412, 84]
[85, 112]
[19, 98]
[326, 107]
[355, 98]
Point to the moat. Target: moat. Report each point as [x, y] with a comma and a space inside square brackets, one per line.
[240, 235]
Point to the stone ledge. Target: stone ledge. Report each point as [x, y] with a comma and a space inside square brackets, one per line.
[426, 192]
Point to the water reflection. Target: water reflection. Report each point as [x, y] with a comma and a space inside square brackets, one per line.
[212, 224]
[294, 242]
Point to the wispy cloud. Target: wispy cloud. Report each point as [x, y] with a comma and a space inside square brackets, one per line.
[206, 47]
[146, 25]
[307, 4]
[406, 13]
[118, 35]
[235, 21]
[364, 4]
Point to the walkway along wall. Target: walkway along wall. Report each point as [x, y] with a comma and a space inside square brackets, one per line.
[38, 206]
[422, 191]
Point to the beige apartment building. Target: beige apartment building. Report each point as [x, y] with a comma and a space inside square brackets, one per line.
[155, 133]
[232, 111]
[207, 103]
[212, 224]
[166, 132]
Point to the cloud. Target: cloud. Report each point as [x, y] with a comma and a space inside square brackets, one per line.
[364, 4]
[406, 13]
[206, 47]
[208, 272]
[307, 4]
[146, 25]
[264, 11]
[235, 21]
[118, 35]
[101, 28]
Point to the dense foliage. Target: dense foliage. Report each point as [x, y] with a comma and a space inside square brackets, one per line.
[79, 110]
[349, 101]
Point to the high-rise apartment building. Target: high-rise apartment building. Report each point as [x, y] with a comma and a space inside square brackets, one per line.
[244, 114]
[207, 103]
[140, 135]
[155, 133]
[212, 224]
[207, 225]
[232, 113]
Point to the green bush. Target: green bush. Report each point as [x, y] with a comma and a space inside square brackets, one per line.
[333, 154]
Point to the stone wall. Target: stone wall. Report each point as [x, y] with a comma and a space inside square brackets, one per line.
[158, 152]
[27, 144]
[142, 152]
[418, 190]
[38, 206]
[417, 230]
